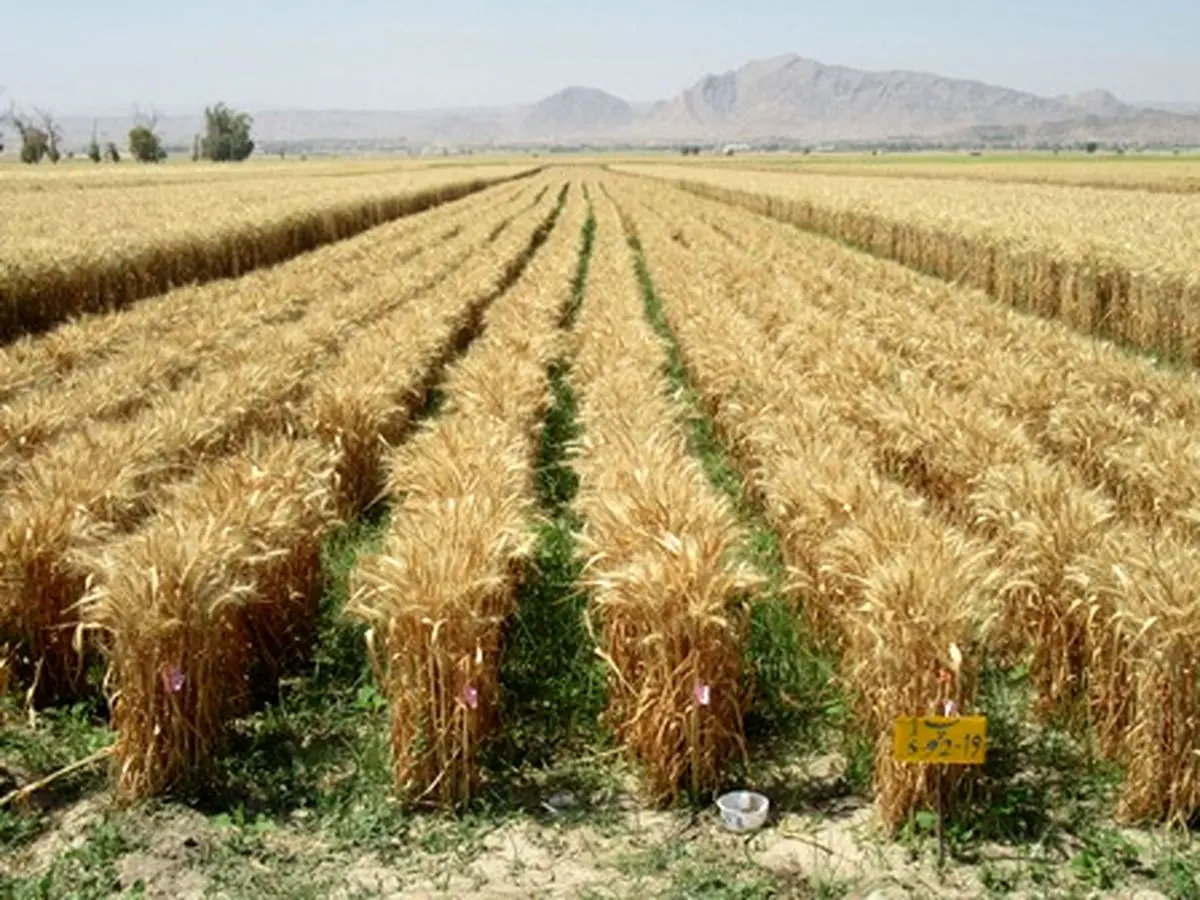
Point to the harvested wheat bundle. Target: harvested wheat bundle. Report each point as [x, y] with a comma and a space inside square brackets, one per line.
[667, 598]
[219, 587]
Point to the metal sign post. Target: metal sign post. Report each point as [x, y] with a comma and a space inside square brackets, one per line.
[940, 741]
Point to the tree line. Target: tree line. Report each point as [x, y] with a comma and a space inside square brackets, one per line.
[226, 137]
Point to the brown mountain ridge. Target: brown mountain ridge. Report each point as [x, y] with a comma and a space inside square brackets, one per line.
[786, 99]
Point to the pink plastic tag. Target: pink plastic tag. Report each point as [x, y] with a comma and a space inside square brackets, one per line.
[703, 694]
[471, 696]
[172, 679]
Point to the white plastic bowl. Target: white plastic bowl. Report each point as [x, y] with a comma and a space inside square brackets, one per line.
[743, 810]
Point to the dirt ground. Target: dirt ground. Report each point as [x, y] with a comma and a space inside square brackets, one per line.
[582, 847]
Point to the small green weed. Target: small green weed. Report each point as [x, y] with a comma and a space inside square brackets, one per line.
[552, 683]
[1105, 859]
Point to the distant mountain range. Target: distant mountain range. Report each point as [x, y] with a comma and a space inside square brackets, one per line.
[784, 99]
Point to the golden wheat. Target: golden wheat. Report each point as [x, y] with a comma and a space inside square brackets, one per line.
[233, 592]
[1162, 175]
[667, 598]
[104, 478]
[37, 361]
[103, 248]
[1110, 263]
[120, 386]
[906, 600]
[368, 401]
[206, 599]
[127, 383]
[438, 593]
[1103, 602]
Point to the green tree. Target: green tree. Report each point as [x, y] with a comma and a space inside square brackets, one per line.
[145, 145]
[53, 135]
[93, 150]
[226, 134]
[112, 152]
[38, 140]
[196, 148]
[35, 143]
[1091, 146]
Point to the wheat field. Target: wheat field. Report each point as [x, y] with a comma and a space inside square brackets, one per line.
[542, 465]
[1112, 263]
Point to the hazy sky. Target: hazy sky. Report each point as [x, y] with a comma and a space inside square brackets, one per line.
[93, 56]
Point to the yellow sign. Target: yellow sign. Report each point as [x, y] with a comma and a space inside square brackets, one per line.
[955, 741]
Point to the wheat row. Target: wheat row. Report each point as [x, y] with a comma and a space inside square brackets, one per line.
[1115, 264]
[439, 592]
[202, 312]
[1160, 176]
[903, 598]
[667, 600]
[101, 249]
[233, 332]
[1128, 427]
[104, 480]
[1101, 602]
[1101, 584]
[214, 594]
[85, 176]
